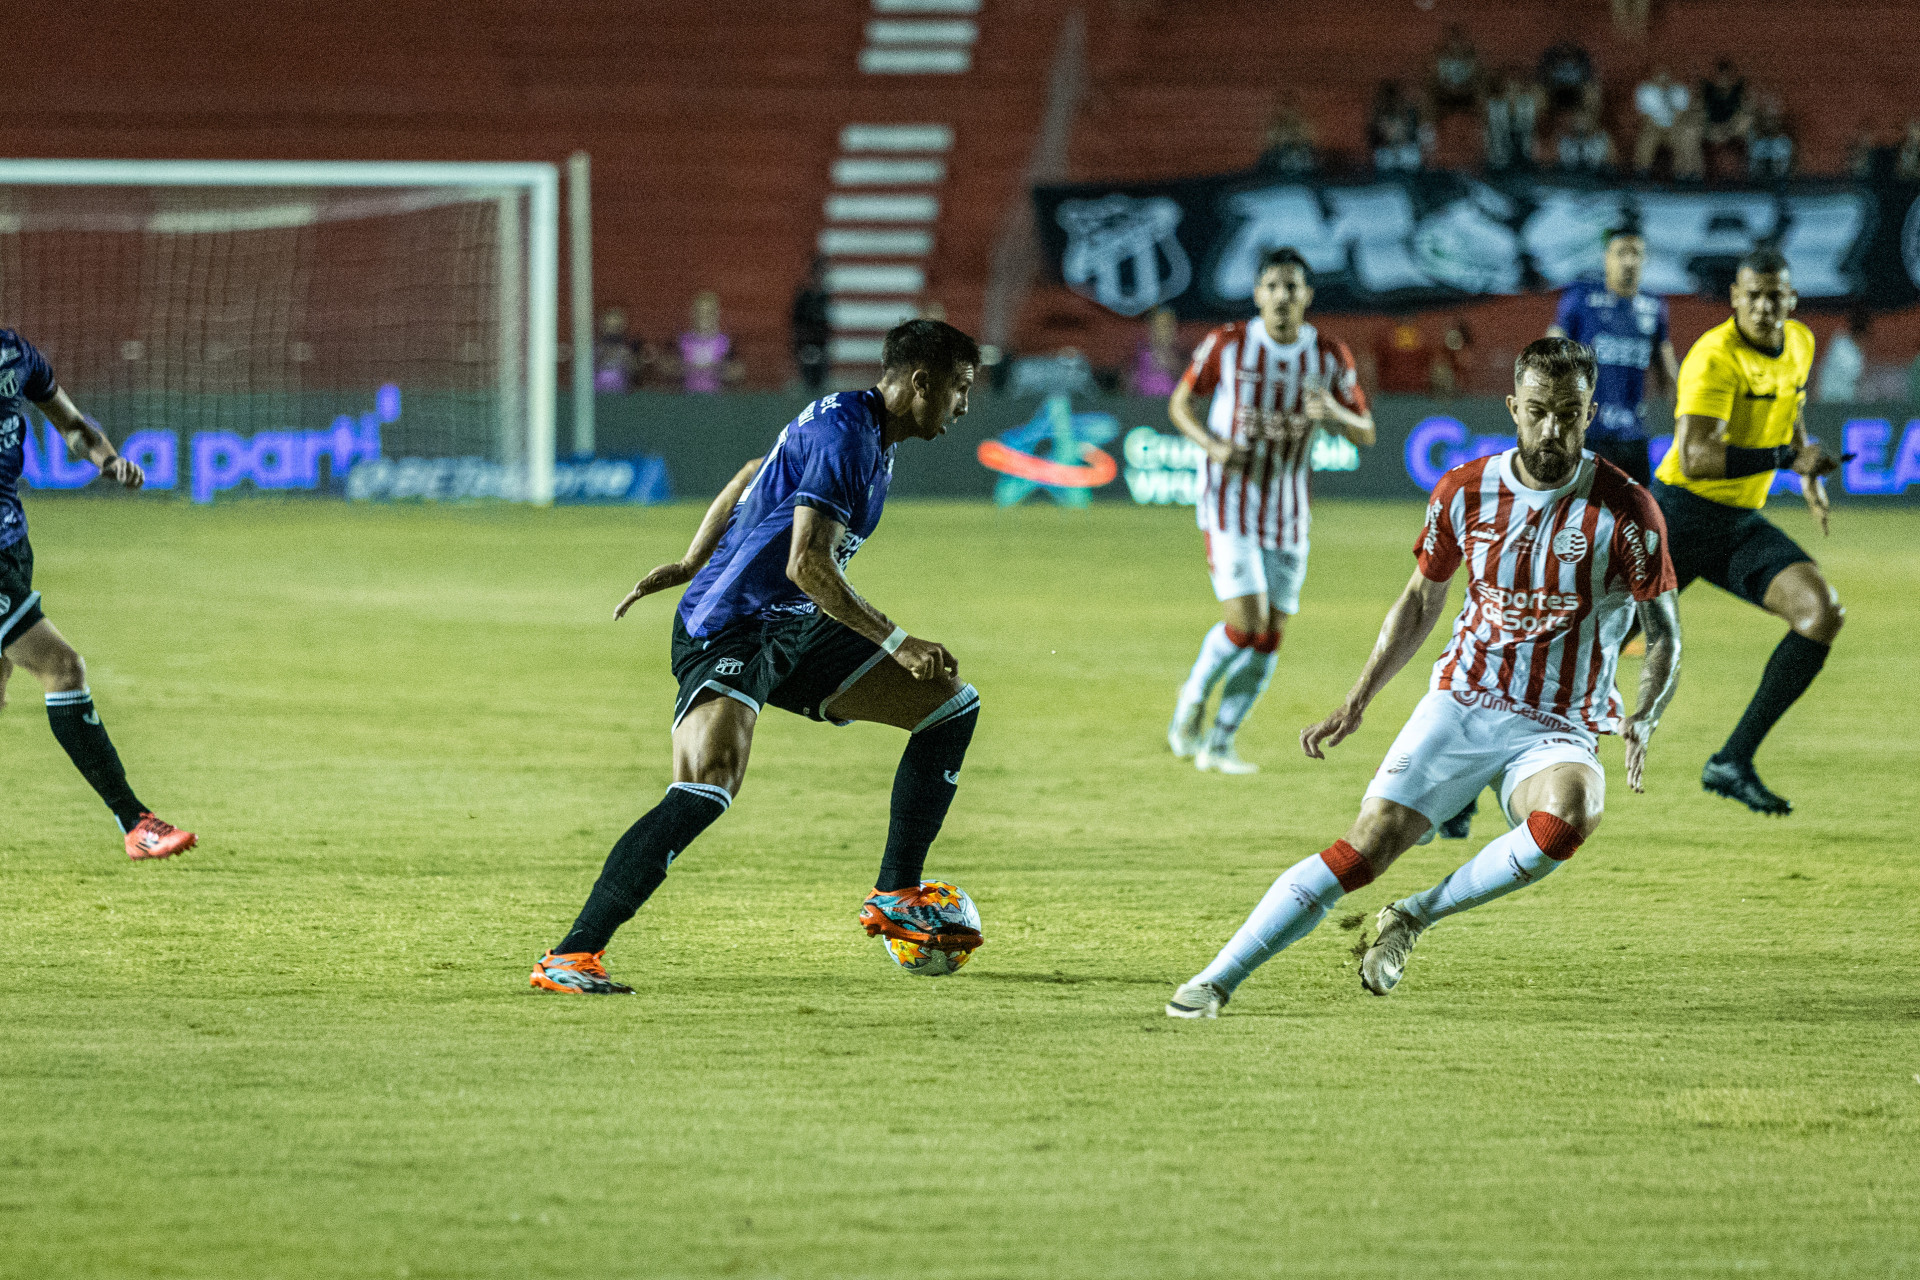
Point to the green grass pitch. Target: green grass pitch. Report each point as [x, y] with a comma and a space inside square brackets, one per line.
[408, 736]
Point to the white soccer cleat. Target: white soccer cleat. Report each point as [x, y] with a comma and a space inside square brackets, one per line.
[1218, 756]
[1186, 732]
[1386, 959]
[1196, 1000]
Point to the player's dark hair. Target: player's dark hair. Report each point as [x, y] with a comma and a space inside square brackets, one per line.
[1764, 260]
[1624, 229]
[1284, 256]
[1556, 358]
[933, 345]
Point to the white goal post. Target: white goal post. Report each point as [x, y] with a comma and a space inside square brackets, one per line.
[235, 295]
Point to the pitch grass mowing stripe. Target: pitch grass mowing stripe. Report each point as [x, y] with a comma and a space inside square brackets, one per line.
[407, 737]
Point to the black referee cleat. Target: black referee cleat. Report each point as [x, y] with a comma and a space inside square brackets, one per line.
[1738, 781]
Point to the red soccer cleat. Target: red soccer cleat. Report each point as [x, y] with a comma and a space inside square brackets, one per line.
[152, 838]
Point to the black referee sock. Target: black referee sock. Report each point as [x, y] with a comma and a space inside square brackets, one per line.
[923, 787]
[640, 859]
[1794, 664]
[77, 727]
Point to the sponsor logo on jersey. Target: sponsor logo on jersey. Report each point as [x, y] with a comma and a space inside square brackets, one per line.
[1570, 545]
[10, 383]
[1400, 763]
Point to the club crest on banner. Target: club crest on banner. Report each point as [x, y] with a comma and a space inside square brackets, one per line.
[1122, 253]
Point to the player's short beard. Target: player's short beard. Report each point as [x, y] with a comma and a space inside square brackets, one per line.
[1550, 467]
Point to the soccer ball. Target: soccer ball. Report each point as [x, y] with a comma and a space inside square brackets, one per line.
[948, 927]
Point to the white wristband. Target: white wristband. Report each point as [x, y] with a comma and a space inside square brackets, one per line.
[892, 643]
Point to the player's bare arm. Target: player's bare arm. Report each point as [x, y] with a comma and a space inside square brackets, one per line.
[87, 441]
[1813, 484]
[1324, 409]
[679, 572]
[1704, 453]
[1225, 453]
[811, 567]
[1408, 624]
[1659, 677]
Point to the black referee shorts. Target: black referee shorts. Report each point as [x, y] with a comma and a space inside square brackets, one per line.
[1735, 548]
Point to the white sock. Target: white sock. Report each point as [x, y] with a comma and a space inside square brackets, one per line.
[1298, 900]
[1216, 651]
[1247, 679]
[1511, 862]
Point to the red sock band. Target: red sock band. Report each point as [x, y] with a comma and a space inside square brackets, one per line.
[1240, 639]
[1266, 642]
[1556, 839]
[1348, 867]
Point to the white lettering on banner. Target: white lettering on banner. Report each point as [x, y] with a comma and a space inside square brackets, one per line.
[1122, 253]
[1469, 245]
[1817, 233]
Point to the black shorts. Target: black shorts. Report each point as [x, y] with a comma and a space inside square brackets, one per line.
[1735, 548]
[1630, 456]
[796, 663]
[19, 602]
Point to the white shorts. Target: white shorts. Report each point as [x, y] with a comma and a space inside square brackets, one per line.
[1240, 566]
[1451, 749]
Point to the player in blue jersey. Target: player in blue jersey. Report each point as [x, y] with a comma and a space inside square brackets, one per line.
[769, 619]
[27, 639]
[1627, 331]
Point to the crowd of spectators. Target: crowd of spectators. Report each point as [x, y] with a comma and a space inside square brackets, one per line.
[1555, 116]
[700, 358]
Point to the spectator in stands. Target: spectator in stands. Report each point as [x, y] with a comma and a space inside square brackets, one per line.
[1158, 360]
[811, 332]
[1769, 145]
[1583, 147]
[1863, 153]
[619, 363]
[1723, 102]
[1289, 145]
[1668, 121]
[1843, 364]
[1403, 360]
[1454, 79]
[707, 362]
[1395, 131]
[1513, 110]
[1630, 18]
[1453, 371]
[1906, 164]
[1567, 74]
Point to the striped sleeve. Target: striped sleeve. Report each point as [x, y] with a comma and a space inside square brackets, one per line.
[1437, 550]
[1203, 374]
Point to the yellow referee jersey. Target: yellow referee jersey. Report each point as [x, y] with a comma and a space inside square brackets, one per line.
[1759, 395]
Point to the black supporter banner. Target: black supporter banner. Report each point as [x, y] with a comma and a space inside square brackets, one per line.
[1399, 242]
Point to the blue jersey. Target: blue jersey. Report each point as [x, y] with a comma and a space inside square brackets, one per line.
[24, 375]
[1625, 334]
[829, 458]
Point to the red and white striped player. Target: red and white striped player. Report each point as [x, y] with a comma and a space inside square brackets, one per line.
[1562, 553]
[1268, 384]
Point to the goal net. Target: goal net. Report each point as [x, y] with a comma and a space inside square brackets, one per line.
[275, 324]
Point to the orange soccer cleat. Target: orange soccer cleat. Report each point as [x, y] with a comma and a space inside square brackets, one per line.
[152, 838]
[576, 973]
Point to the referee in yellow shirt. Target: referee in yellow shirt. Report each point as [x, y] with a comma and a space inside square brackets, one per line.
[1738, 418]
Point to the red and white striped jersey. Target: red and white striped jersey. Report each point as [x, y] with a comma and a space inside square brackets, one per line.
[1552, 577]
[1256, 387]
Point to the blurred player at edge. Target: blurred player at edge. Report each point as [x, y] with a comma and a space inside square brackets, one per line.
[770, 619]
[1561, 552]
[1627, 329]
[1739, 417]
[1269, 382]
[27, 639]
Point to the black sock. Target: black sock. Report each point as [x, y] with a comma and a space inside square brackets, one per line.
[640, 859]
[1794, 664]
[923, 788]
[77, 726]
